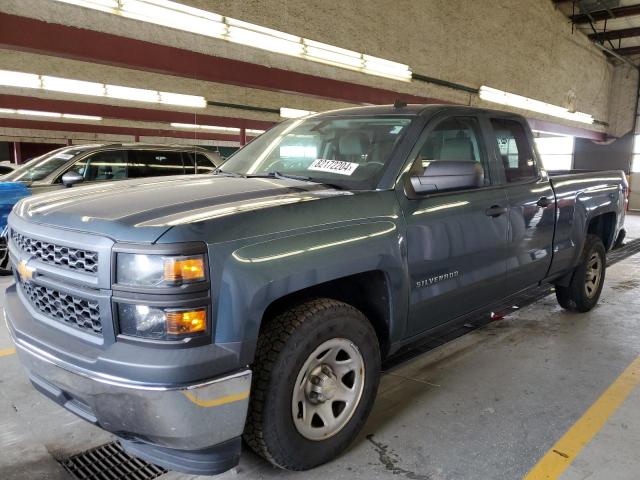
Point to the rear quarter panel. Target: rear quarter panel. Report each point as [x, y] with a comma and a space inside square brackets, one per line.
[580, 198]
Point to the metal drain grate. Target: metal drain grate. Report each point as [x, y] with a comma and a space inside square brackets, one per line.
[110, 462]
[521, 299]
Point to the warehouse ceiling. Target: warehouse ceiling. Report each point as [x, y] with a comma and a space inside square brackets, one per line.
[613, 24]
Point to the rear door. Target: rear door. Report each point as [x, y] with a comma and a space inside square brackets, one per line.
[456, 240]
[531, 203]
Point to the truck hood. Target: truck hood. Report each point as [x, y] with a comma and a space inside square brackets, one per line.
[142, 210]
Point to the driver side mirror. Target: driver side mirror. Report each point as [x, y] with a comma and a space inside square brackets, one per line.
[69, 179]
[446, 175]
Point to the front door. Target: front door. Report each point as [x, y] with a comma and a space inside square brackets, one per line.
[456, 240]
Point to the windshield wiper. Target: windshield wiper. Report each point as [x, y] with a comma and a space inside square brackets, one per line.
[287, 176]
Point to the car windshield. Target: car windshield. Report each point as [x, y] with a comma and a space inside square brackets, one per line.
[350, 152]
[41, 167]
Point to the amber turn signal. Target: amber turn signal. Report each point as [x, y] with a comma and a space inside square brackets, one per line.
[184, 322]
[178, 270]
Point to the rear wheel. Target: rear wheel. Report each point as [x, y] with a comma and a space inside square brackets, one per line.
[314, 383]
[583, 292]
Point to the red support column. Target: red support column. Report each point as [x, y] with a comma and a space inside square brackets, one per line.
[17, 153]
[243, 137]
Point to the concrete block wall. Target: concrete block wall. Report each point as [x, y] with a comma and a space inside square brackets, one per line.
[522, 46]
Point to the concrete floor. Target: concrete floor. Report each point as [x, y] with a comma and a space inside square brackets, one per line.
[487, 405]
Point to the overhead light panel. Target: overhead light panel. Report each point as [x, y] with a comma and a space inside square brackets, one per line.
[225, 130]
[512, 100]
[194, 20]
[38, 113]
[80, 87]
[294, 112]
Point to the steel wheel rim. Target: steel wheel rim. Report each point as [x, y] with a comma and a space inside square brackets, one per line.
[593, 276]
[328, 389]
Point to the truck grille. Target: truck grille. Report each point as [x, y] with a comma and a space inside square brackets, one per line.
[73, 258]
[74, 311]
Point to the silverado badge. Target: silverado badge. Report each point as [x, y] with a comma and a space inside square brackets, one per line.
[26, 272]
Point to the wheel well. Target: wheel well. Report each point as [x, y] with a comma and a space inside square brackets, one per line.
[603, 226]
[368, 292]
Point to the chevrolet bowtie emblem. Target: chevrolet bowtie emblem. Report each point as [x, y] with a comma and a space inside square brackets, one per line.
[26, 272]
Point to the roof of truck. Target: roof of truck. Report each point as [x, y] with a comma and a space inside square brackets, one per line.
[414, 109]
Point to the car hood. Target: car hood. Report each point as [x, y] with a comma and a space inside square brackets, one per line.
[142, 210]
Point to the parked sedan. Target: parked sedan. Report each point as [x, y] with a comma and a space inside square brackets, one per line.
[89, 164]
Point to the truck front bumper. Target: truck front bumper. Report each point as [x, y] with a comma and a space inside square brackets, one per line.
[193, 428]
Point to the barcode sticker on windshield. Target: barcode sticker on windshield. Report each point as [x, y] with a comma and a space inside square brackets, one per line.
[333, 166]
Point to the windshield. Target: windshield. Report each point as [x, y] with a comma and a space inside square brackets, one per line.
[41, 167]
[347, 151]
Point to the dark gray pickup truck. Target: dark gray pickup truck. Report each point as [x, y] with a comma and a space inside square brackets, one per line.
[184, 313]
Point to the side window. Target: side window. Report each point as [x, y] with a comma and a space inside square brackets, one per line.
[150, 163]
[515, 150]
[454, 139]
[102, 166]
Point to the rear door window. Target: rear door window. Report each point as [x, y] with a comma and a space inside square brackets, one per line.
[153, 163]
[514, 150]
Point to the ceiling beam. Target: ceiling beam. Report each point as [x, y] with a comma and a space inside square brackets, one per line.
[126, 113]
[615, 34]
[113, 130]
[628, 51]
[599, 15]
[36, 36]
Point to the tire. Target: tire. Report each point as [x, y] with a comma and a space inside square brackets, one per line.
[280, 423]
[582, 294]
[5, 268]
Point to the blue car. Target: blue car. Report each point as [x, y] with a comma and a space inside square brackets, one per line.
[10, 193]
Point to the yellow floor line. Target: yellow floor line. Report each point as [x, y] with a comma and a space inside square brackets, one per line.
[7, 351]
[564, 452]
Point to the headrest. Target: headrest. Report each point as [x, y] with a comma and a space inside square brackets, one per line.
[354, 143]
[457, 149]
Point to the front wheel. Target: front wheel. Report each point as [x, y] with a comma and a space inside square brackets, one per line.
[5, 268]
[584, 290]
[315, 379]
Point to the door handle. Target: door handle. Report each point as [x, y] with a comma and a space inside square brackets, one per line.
[495, 211]
[544, 202]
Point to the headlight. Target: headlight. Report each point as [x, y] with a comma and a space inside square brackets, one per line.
[161, 323]
[159, 270]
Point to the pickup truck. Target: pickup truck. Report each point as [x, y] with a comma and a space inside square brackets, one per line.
[183, 314]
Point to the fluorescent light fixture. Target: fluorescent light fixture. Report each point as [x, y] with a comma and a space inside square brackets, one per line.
[67, 85]
[512, 100]
[38, 113]
[74, 116]
[194, 20]
[294, 112]
[19, 79]
[227, 130]
[95, 89]
[35, 113]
